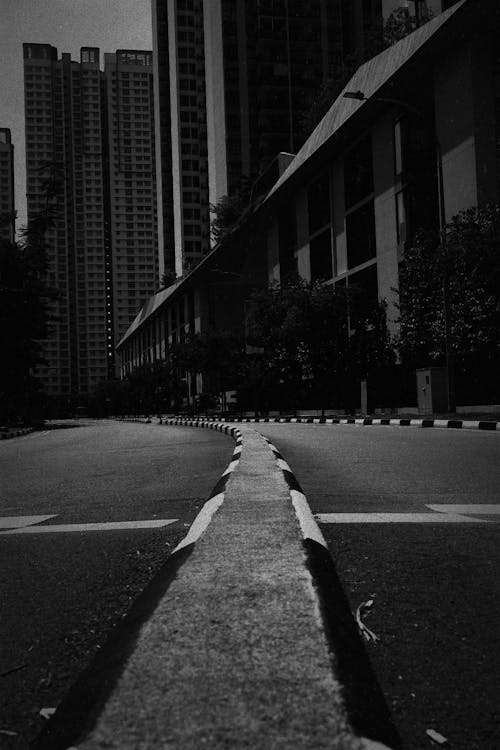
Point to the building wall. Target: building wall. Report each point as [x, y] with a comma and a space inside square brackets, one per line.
[216, 117]
[254, 67]
[71, 127]
[132, 182]
[349, 211]
[163, 138]
[466, 128]
[7, 201]
[462, 91]
[188, 133]
[64, 131]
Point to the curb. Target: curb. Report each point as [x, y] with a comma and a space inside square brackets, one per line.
[88, 694]
[402, 422]
[18, 433]
[364, 701]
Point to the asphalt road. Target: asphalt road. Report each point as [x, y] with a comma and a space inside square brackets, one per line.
[434, 585]
[62, 592]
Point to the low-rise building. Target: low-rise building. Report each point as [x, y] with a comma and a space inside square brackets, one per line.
[412, 140]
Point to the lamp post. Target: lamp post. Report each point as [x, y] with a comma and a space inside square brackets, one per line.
[450, 369]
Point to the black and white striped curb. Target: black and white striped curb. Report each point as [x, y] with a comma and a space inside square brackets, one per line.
[75, 712]
[363, 697]
[140, 420]
[17, 433]
[400, 422]
[216, 497]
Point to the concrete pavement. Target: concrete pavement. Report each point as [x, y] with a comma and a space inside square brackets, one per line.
[231, 646]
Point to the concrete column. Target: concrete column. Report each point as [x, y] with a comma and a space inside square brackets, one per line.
[338, 218]
[385, 215]
[303, 259]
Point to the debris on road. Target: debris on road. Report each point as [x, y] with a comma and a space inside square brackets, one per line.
[436, 737]
[46, 713]
[12, 669]
[367, 634]
[46, 681]
[8, 732]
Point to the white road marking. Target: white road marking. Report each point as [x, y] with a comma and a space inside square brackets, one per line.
[395, 518]
[16, 522]
[110, 526]
[484, 509]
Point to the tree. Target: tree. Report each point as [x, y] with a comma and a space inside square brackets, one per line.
[228, 211]
[303, 329]
[25, 302]
[450, 295]
[217, 355]
[168, 278]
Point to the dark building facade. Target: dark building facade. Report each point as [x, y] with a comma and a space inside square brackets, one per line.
[76, 123]
[420, 145]
[233, 78]
[7, 196]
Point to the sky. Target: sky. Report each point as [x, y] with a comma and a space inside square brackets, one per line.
[67, 25]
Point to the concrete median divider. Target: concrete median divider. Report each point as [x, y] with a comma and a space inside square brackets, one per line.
[235, 643]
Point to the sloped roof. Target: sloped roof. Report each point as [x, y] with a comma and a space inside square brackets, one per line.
[149, 308]
[369, 78]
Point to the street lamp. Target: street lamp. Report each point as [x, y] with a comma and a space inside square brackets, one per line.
[450, 371]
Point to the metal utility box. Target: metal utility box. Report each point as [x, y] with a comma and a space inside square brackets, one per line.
[432, 390]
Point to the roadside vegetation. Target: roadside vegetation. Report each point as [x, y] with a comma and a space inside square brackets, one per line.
[308, 345]
[26, 300]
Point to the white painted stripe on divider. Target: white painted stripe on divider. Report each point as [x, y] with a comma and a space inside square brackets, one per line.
[307, 522]
[16, 522]
[395, 518]
[283, 465]
[232, 466]
[201, 521]
[487, 509]
[109, 526]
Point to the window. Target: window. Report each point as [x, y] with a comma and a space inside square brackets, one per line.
[320, 253]
[358, 172]
[360, 231]
[403, 233]
[364, 284]
[318, 202]
[287, 232]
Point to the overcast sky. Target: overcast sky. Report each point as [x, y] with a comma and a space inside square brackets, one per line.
[67, 25]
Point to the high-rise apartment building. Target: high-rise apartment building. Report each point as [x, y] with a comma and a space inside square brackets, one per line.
[132, 183]
[181, 131]
[233, 77]
[7, 200]
[81, 130]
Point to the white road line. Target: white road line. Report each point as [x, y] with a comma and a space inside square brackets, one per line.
[485, 509]
[395, 518]
[16, 522]
[110, 526]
